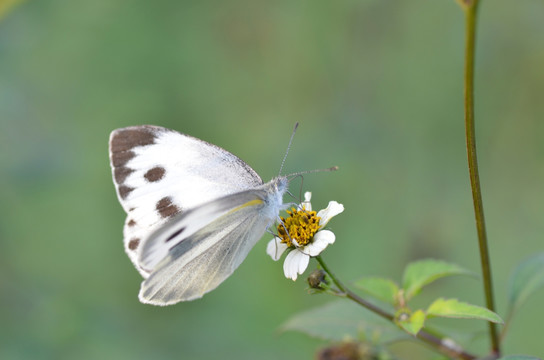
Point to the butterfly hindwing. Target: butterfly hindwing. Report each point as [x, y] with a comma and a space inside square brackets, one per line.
[160, 173]
[199, 262]
[159, 243]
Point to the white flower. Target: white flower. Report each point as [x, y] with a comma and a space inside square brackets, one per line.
[302, 233]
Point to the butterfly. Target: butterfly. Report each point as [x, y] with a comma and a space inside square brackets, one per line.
[194, 210]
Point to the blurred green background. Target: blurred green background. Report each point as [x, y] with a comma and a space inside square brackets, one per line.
[377, 89]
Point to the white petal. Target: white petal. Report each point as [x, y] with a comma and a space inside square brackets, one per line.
[306, 204]
[275, 248]
[331, 211]
[295, 263]
[321, 240]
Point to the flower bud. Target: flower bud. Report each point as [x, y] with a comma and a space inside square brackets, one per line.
[316, 278]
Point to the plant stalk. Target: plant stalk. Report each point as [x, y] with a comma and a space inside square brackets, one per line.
[470, 9]
[440, 344]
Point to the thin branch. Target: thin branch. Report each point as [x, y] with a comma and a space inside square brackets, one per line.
[440, 344]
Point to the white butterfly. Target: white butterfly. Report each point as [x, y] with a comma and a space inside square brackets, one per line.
[194, 210]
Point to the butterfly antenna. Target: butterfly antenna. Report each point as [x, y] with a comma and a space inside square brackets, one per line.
[294, 175]
[288, 147]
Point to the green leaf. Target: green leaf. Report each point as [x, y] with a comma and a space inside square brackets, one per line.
[518, 357]
[381, 288]
[414, 322]
[525, 280]
[424, 272]
[344, 319]
[453, 308]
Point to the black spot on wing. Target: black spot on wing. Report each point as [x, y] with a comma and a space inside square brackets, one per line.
[166, 208]
[175, 234]
[120, 158]
[155, 174]
[123, 141]
[128, 138]
[121, 173]
[124, 191]
[133, 244]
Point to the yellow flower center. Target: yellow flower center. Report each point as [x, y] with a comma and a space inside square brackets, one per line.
[300, 225]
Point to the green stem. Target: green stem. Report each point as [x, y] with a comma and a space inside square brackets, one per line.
[440, 344]
[351, 295]
[470, 8]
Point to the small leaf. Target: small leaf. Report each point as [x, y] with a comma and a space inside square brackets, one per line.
[424, 272]
[414, 322]
[343, 319]
[381, 288]
[518, 357]
[453, 308]
[526, 279]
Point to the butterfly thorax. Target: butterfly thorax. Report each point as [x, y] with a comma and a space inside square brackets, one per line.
[275, 189]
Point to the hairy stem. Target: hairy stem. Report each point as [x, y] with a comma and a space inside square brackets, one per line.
[438, 343]
[470, 9]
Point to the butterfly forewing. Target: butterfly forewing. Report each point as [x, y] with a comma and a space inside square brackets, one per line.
[159, 173]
